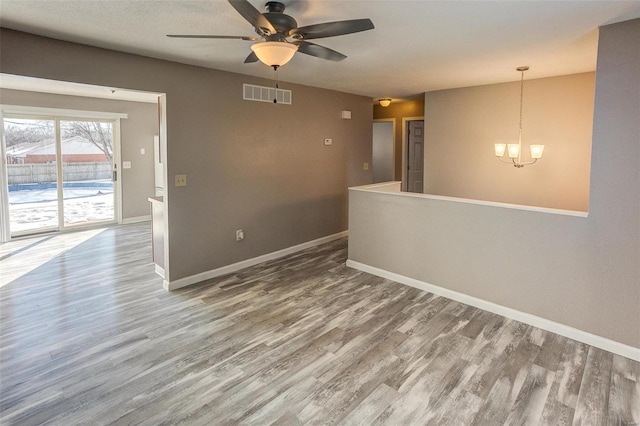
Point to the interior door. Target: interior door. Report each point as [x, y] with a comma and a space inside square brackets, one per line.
[415, 156]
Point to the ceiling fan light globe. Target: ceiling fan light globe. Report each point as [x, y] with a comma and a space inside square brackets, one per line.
[274, 53]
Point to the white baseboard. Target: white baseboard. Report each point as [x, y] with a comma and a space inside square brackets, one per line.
[545, 324]
[136, 219]
[203, 276]
[159, 270]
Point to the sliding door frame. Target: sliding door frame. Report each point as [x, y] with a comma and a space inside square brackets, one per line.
[58, 115]
[5, 231]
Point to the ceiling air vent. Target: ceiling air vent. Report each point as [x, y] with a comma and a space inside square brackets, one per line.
[251, 92]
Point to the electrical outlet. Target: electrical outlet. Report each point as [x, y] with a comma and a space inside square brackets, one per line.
[365, 166]
[181, 180]
[239, 235]
[126, 164]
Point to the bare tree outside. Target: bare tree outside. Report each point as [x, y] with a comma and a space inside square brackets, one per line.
[18, 131]
[97, 133]
[35, 131]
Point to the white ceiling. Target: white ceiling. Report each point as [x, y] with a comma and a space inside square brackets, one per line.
[417, 46]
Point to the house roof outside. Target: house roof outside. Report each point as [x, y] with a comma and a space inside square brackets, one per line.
[75, 145]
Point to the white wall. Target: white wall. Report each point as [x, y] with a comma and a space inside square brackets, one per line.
[583, 272]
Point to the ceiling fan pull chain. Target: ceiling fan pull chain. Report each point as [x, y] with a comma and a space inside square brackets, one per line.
[275, 99]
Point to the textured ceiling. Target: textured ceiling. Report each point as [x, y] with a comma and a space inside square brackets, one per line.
[417, 46]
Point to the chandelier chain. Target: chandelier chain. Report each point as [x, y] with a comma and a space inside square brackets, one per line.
[521, 96]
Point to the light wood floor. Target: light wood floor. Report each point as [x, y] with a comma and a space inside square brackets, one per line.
[90, 337]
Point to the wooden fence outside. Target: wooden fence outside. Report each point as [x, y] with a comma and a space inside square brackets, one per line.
[46, 172]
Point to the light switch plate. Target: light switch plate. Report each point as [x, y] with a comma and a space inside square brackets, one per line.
[126, 164]
[328, 141]
[143, 151]
[365, 166]
[181, 180]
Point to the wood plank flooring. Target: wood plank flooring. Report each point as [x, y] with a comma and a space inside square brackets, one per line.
[91, 338]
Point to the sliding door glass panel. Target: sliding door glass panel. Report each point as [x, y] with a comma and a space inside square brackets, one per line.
[87, 171]
[32, 175]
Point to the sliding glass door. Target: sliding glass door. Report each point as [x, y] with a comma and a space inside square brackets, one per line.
[87, 171]
[32, 174]
[59, 173]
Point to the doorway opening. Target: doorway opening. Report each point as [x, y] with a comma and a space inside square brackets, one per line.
[383, 158]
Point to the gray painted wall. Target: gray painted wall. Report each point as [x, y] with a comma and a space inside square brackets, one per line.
[251, 165]
[582, 272]
[136, 132]
[462, 125]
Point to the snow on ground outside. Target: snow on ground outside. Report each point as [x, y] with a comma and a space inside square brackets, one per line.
[34, 209]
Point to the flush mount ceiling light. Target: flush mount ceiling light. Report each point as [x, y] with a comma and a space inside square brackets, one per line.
[514, 150]
[274, 53]
[384, 102]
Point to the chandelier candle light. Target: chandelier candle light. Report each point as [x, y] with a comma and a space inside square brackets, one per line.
[514, 150]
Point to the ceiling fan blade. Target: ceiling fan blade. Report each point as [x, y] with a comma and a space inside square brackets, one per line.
[251, 58]
[213, 36]
[319, 51]
[252, 15]
[331, 29]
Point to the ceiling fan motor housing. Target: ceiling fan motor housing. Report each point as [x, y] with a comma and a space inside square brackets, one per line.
[281, 22]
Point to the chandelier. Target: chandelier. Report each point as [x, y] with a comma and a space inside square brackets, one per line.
[514, 150]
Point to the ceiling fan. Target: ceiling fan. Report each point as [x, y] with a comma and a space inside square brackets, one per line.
[282, 36]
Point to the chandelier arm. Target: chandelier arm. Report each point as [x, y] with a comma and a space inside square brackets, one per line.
[529, 162]
[520, 164]
[505, 161]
